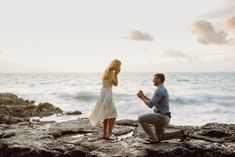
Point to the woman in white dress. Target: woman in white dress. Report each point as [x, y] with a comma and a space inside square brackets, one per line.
[105, 110]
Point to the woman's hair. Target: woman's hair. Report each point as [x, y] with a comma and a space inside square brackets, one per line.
[112, 66]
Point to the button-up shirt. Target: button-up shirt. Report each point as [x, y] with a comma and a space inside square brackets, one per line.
[160, 100]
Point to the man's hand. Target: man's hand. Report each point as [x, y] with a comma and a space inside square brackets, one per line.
[140, 94]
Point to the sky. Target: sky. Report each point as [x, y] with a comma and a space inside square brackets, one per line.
[146, 35]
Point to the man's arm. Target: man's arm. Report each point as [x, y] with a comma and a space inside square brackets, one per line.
[141, 92]
[151, 102]
[157, 96]
[144, 98]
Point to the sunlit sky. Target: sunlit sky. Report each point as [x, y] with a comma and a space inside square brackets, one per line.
[146, 35]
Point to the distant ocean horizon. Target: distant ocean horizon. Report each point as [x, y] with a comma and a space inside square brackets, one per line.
[196, 98]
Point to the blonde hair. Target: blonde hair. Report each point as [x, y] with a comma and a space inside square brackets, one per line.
[112, 66]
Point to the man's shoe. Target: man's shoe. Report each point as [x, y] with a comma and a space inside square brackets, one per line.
[151, 141]
[185, 135]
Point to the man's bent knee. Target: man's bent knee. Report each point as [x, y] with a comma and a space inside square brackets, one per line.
[140, 118]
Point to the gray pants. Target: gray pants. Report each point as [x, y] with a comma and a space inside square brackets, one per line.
[160, 122]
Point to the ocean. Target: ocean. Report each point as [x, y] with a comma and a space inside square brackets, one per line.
[195, 98]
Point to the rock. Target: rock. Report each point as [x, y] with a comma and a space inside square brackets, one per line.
[14, 109]
[79, 138]
[8, 134]
[73, 113]
[5, 119]
[46, 109]
[127, 122]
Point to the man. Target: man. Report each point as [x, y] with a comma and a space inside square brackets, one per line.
[161, 116]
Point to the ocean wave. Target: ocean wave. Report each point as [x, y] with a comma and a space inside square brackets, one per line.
[194, 99]
[87, 96]
[183, 80]
[202, 99]
[82, 96]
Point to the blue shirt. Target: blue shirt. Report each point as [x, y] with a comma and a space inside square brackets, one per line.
[160, 100]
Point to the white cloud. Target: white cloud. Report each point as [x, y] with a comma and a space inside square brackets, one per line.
[206, 34]
[138, 35]
[227, 9]
[176, 54]
[230, 23]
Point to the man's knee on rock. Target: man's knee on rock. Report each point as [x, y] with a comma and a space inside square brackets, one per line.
[140, 118]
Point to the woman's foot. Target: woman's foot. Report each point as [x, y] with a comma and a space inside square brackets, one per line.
[107, 138]
[110, 133]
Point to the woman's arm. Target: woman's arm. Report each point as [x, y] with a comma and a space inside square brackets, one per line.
[114, 80]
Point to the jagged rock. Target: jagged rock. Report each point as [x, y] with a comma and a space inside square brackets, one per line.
[5, 119]
[14, 109]
[46, 109]
[73, 113]
[127, 122]
[79, 138]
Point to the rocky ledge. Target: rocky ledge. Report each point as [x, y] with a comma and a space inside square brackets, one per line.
[78, 138]
[20, 137]
[14, 109]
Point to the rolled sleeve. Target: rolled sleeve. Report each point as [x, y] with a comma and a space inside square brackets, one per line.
[155, 99]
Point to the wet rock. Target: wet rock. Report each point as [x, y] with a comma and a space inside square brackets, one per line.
[79, 138]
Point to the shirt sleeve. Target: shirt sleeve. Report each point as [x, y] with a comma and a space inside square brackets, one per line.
[155, 99]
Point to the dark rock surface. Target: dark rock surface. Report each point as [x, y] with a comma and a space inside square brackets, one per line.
[73, 113]
[79, 138]
[14, 109]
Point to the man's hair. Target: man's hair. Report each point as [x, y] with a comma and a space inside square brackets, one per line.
[160, 76]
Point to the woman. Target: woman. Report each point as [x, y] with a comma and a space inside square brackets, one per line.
[105, 110]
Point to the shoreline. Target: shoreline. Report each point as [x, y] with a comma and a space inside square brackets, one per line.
[22, 136]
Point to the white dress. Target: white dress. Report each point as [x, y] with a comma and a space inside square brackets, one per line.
[104, 108]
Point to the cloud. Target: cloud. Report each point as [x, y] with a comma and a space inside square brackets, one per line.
[222, 11]
[206, 33]
[230, 23]
[138, 35]
[176, 54]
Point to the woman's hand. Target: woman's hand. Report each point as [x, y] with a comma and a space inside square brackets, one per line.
[116, 72]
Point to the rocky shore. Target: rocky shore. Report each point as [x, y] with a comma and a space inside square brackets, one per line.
[14, 109]
[21, 138]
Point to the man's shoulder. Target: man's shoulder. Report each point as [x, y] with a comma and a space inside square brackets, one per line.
[161, 89]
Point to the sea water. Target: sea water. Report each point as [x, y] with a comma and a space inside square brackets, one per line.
[195, 98]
